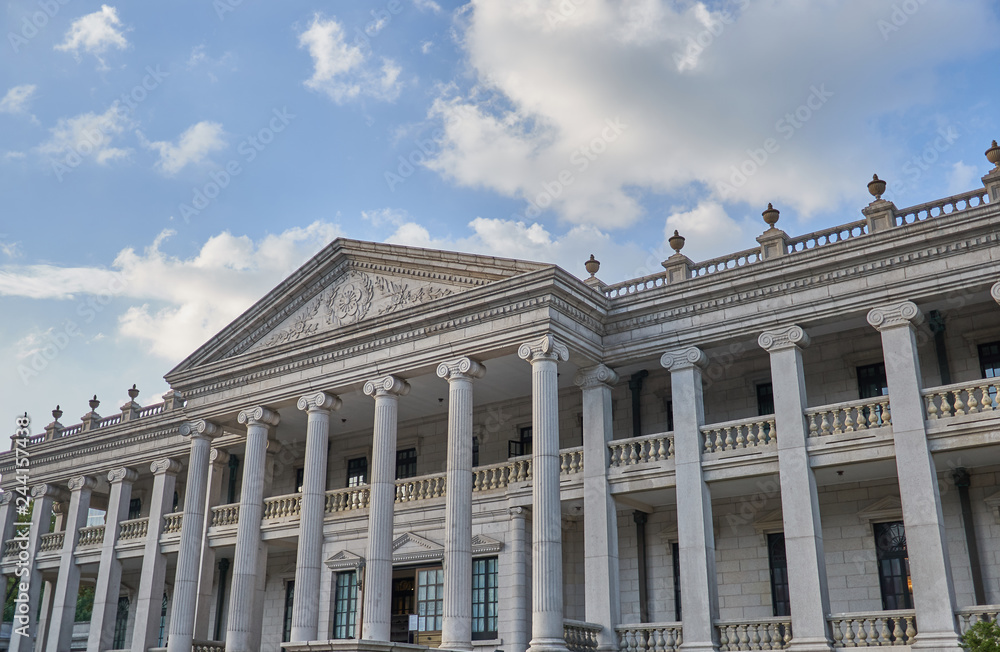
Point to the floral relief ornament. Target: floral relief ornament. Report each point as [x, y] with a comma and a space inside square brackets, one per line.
[350, 302]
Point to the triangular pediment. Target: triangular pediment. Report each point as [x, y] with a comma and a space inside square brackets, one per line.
[484, 545]
[409, 547]
[345, 560]
[885, 509]
[349, 283]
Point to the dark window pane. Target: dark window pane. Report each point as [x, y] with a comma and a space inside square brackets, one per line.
[989, 360]
[357, 471]
[872, 381]
[765, 399]
[345, 605]
[121, 623]
[484, 599]
[406, 463]
[134, 508]
[676, 554]
[893, 565]
[780, 602]
[286, 627]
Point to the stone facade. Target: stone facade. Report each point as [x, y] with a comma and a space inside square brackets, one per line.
[797, 441]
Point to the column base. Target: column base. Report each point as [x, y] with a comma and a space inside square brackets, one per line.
[547, 645]
[456, 646]
[816, 644]
[934, 641]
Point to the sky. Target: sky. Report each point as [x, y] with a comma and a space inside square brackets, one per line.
[164, 165]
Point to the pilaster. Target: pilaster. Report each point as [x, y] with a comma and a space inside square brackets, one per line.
[217, 460]
[60, 635]
[516, 582]
[933, 589]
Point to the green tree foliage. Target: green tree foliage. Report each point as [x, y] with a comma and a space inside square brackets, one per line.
[982, 637]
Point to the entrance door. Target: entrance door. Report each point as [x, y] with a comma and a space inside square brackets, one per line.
[430, 605]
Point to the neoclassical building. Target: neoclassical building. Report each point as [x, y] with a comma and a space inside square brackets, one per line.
[793, 446]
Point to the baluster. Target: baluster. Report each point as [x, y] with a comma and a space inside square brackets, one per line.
[754, 636]
[863, 625]
[886, 634]
[838, 633]
[661, 451]
[740, 441]
[932, 411]
[670, 450]
[658, 638]
[972, 402]
[744, 639]
[886, 415]
[848, 421]
[723, 637]
[755, 434]
[898, 632]
[911, 631]
[959, 405]
[729, 445]
[825, 425]
[708, 440]
[813, 428]
[837, 426]
[849, 633]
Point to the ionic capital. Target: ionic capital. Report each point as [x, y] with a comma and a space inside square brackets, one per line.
[6, 497]
[218, 456]
[319, 401]
[905, 313]
[783, 338]
[199, 429]
[258, 415]
[122, 474]
[387, 386]
[995, 291]
[81, 482]
[545, 348]
[46, 490]
[165, 465]
[684, 359]
[518, 512]
[595, 376]
[461, 369]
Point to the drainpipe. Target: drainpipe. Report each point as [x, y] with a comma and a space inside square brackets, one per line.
[936, 323]
[635, 385]
[640, 544]
[962, 481]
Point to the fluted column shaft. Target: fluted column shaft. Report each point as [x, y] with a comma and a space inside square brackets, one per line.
[518, 613]
[926, 542]
[109, 572]
[25, 626]
[381, 503]
[600, 546]
[60, 635]
[803, 531]
[547, 589]
[8, 516]
[206, 575]
[456, 626]
[308, 563]
[242, 629]
[149, 597]
[695, 533]
[192, 532]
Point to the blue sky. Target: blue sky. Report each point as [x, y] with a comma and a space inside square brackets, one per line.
[163, 166]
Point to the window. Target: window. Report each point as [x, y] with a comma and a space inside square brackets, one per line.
[989, 359]
[871, 381]
[163, 619]
[765, 399]
[893, 565]
[121, 623]
[475, 451]
[430, 599]
[134, 508]
[406, 463]
[286, 628]
[357, 472]
[675, 552]
[484, 599]
[345, 604]
[522, 445]
[781, 604]
[670, 416]
[300, 474]
[177, 501]
[234, 464]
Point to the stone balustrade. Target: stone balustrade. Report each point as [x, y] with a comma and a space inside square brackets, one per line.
[757, 634]
[11, 548]
[739, 435]
[50, 542]
[135, 528]
[828, 236]
[345, 500]
[282, 506]
[650, 637]
[864, 414]
[90, 536]
[873, 629]
[225, 515]
[571, 460]
[962, 398]
[580, 636]
[421, 488]
[208, 646]
[172, 523]
[637, 450]
[498, 476]
[969, 616]
[729, 261]
[954, 204]
[106, 422]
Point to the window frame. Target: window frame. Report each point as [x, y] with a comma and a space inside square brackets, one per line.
[889, 571]
[777, 563]
[486, 598]
[406, 463]
[363, 479]
[345, 605]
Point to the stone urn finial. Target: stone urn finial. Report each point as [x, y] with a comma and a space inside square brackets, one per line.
[876, 187]
[771, 215]
[993, 155]
[676, 242]
[592, 265]
[132, 393]
[56, 413]
[94, 403]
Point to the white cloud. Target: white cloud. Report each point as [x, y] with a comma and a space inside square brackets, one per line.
[343, 71]
[193, 147]
[13, 155]
[94, 34]
[11, 249]
[426, 47]
[385, 216]
[672, 72]
[18, 100]
[427, 5]
[962, 177]
[87, 135]
[709, 231]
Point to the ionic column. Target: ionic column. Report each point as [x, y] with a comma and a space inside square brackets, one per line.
[800, 513]
[25, 627]
[242, 629]
[8, 517]
[382, 497]
[995, 292]
[546, 558]
[933, 590]
[514, 583]
[216, 465]
[60, 635]
[109, 572]
[695, 533]
[456, 625]
[192, 533]
[600, 546]
[308, 562]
